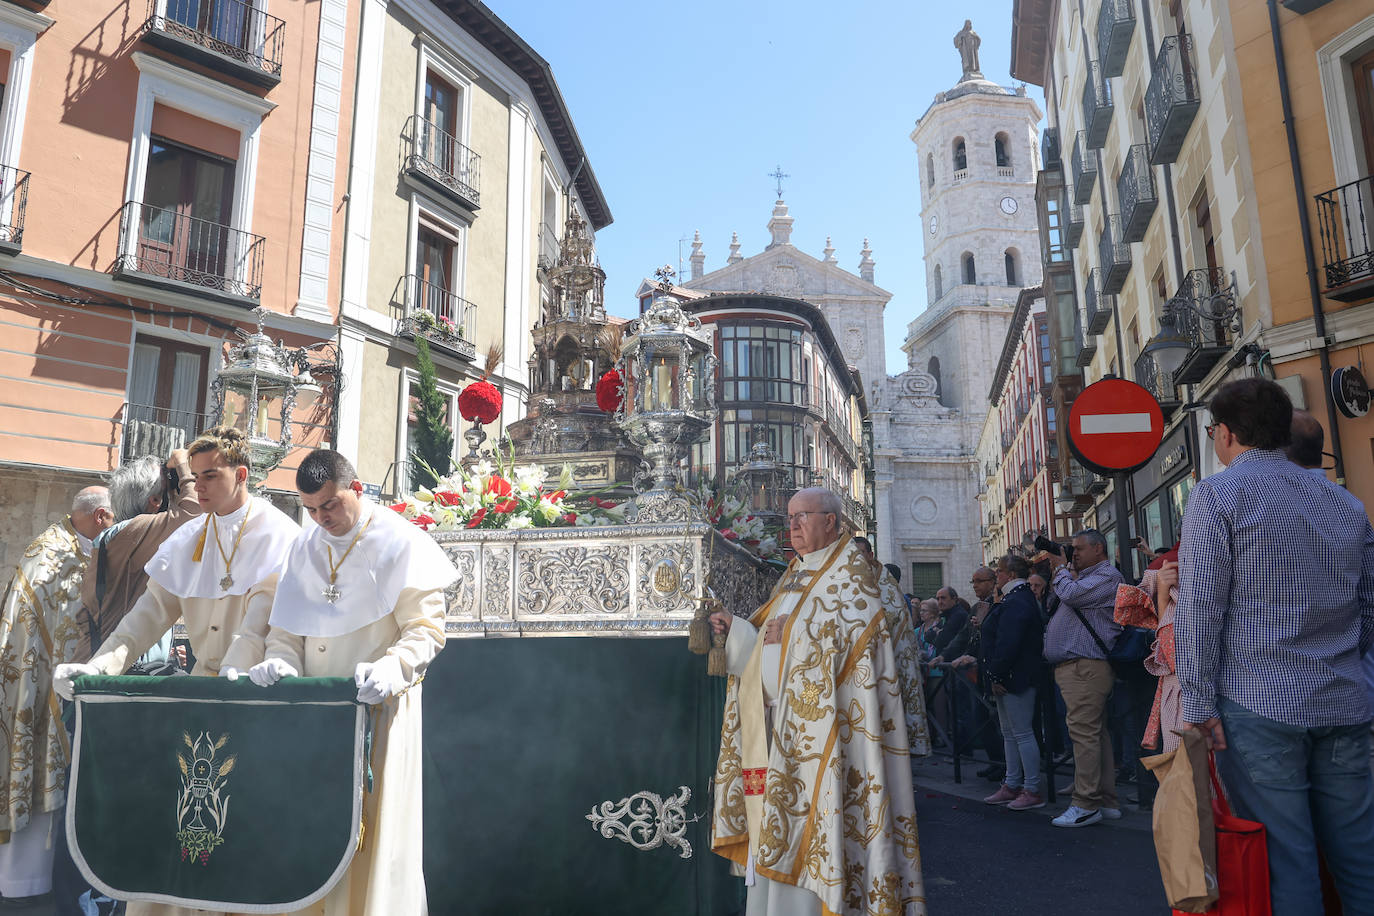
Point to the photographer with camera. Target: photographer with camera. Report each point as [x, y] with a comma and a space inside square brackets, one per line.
[1077, 641]
[151, 499]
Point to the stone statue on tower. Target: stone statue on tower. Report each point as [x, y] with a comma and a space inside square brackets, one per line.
[967, 41]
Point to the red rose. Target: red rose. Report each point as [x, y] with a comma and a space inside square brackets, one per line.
[610, 391]
[424, 522]
[476, 518]
[506, 505]
[570, 518]
[447, 498]
[499, 487]
[480, 402]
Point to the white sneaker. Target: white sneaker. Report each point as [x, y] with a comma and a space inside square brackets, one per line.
[1111, 814]
[1078, 817]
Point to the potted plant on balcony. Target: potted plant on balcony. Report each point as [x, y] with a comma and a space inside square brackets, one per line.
[423, 321]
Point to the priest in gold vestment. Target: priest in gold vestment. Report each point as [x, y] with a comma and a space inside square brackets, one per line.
[813, 794]
[38, 631]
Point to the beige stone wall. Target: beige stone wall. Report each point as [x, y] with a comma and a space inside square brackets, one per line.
[31, 500]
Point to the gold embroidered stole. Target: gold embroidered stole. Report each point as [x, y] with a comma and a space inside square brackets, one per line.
[754, 749]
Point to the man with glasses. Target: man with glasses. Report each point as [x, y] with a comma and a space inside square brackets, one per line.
[1270, 668]
[835, 637]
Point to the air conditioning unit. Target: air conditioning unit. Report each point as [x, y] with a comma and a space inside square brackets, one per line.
[144, 437]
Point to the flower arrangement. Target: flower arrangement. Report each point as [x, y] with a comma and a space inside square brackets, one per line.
[728, 515]
[490, 496]
[480, 402]
[449, 328]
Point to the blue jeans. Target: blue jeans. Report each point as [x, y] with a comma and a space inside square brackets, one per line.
[1015, 712]
[1311, 788]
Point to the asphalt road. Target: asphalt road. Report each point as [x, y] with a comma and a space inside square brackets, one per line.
[981, 859]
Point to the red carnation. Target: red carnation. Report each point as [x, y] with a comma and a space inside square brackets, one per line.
[499, 487]
[399, 507]
[610, 391]
[476, 518]
[424, 522]
[480, 402]
[570, 518]
[506, 505]
[447, 498]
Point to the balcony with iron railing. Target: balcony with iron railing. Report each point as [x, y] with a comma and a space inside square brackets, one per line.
[1097, 106]
[1115, 23]
[1008, 437]
[1073, 222]
[1135, 192]
[1154, 379]
[548, 246]
[1049, 148]
[1084, 169]
[1202, 310]
[1171, 99]
[14, 202]
[1114, 256]
[1345, 217]
[1097, 306]
[434, 158]
[443, 318]
[156, 431]
[169, 249]
[1087, 343]
[232, 37]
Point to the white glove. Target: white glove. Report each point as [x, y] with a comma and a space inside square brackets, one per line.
[378, 680]
[63, 675]
[230, 673]
[268, 672]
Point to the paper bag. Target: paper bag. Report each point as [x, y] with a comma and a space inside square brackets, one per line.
[1185, 833]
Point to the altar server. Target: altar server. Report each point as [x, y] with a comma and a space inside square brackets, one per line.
[39, 629]
[218, 575]
[363, 595]
[813, 798]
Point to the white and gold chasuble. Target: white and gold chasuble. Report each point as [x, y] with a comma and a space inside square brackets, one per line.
[823, 800]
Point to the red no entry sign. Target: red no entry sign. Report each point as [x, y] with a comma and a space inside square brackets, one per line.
[1115, 426]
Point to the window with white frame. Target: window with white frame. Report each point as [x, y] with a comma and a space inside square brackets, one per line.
[435, 281]
[1346, 66]
[167, 391]
[406, 441]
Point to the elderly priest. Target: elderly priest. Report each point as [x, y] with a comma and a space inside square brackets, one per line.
[813, 795]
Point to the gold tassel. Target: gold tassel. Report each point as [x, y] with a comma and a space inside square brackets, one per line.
[715, 661]
[200, 544]
[699, 631]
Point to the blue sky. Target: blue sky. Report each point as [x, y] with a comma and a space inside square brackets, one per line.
[685, 108]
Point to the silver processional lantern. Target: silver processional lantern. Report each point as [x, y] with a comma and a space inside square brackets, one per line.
[760, 482]
[669, 375]
[258, 392]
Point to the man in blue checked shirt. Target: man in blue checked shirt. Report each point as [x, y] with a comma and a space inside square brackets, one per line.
[1275, 610]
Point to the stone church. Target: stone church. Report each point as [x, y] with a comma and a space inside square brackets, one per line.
[978, 156]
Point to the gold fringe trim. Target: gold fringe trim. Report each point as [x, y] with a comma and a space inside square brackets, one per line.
[200, 543]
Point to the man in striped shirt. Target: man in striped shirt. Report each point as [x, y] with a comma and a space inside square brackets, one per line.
[1077, 640]
[1275, 610]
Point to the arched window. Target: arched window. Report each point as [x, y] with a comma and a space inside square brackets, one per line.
[939, 282]
[930, 169]
[960, 155]
[970, 270]
[1010, 259]
[933, 367]
[999, 146]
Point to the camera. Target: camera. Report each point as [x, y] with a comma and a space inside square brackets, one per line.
[1045, 544]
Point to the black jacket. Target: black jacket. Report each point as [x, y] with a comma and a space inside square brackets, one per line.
[1013, 639]
[953, 638]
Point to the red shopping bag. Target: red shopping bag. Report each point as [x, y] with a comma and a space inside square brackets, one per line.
[1242, 859]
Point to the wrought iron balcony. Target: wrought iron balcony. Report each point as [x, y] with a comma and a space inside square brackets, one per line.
[232, 37]
[1114, 256]
[1097, 106]
[1203, 310]
[435, 157]
[548, 246]
[1171, 100]
[1346, 217]
[170, 249]
[1073, 224]
[1087, 344]
[445, 319]
[1135, 192]
[1049, 149]
[1150, 376]
[14, 201]
[1096, 305]
[1008, 437]
[1084, 165]
[1115, 23]
[156, 431]
[1097, 484]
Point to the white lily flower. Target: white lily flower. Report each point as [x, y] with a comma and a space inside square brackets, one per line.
[520, 521]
